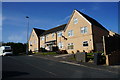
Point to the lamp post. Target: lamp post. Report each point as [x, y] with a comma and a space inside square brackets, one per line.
[27, 34]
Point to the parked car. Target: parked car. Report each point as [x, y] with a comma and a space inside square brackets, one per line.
[5, 50]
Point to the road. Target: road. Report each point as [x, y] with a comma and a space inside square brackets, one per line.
[34, 67]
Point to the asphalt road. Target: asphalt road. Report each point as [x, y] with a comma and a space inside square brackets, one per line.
[34, 67]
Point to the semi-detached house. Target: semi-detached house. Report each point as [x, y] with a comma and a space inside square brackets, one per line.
[81, 33]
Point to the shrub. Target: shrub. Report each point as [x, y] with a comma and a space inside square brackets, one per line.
[62, 52]
[43, 49]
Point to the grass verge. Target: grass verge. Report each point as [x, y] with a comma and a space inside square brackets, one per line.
[46, 53]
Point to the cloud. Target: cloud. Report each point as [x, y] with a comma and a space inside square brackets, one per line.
[96, 6]
[22, 37]
[4, 18]
[15, 38]
[63, 20]
[0, 29]
[66, 18]
[14, 21]
[0, 20]
[83, 10]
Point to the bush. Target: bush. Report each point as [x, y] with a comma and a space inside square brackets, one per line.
[62, 52]
[30, 52]
[43, 50]
[17, 48]
[48, 53]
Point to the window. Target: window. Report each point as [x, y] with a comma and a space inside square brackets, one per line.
[59, 34]
[85, 43]
[52, 35]
[84, 30]
[35, 49]
[70, 33]
[75, 20]
[32, 35]
[70, 46]
[35, 42]
[7, 48]
[46, 36]
[30, 42]
[60, 45]
[42, 38]
[42, 46]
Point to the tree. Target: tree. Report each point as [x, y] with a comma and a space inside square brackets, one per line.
[18, 48]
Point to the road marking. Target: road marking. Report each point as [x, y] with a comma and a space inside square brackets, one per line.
[35, 66]
[86, 66]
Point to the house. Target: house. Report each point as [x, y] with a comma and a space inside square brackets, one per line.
[53, 38]
[81, 33]
[34, 40]
[111, 33]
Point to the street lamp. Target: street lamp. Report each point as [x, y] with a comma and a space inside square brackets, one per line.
[27, 33]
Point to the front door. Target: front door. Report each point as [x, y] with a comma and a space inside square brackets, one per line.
[50, 47]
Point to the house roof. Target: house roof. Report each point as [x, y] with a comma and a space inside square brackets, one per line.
[92, 21]
[41, 32]
[38, 31]
[59, 28]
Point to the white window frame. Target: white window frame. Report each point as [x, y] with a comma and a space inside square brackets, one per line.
[60, 34]
[84, 30]
[75, 20]
[53, 35]
[70, 33]
[42, 38]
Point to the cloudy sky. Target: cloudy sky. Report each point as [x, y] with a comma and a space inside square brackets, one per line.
[48, 15]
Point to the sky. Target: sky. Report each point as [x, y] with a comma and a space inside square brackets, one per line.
[46, 15]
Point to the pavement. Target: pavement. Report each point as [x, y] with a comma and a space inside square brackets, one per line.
[26, 67]
[62, 55]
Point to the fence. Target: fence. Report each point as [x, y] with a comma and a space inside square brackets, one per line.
[112, 49]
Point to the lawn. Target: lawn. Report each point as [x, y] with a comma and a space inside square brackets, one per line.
[47, 53]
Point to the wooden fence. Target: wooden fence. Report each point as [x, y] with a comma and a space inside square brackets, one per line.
[112, 49]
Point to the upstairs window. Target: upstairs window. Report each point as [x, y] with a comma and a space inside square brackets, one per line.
[75, 20]
[85, 43]
[70, 33]
[83, 30]
[42, 38]
[53, 35]
[35, 42]
[32, 35]
[59, 34]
